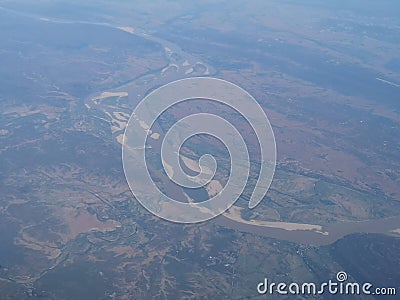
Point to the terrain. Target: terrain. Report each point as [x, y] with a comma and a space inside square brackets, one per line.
[326, 74]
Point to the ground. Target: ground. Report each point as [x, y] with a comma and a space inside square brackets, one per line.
[327, 75]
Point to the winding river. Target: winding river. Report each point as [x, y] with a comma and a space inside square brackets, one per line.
[182, 65]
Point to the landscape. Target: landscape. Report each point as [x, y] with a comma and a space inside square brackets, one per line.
[327, 75]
